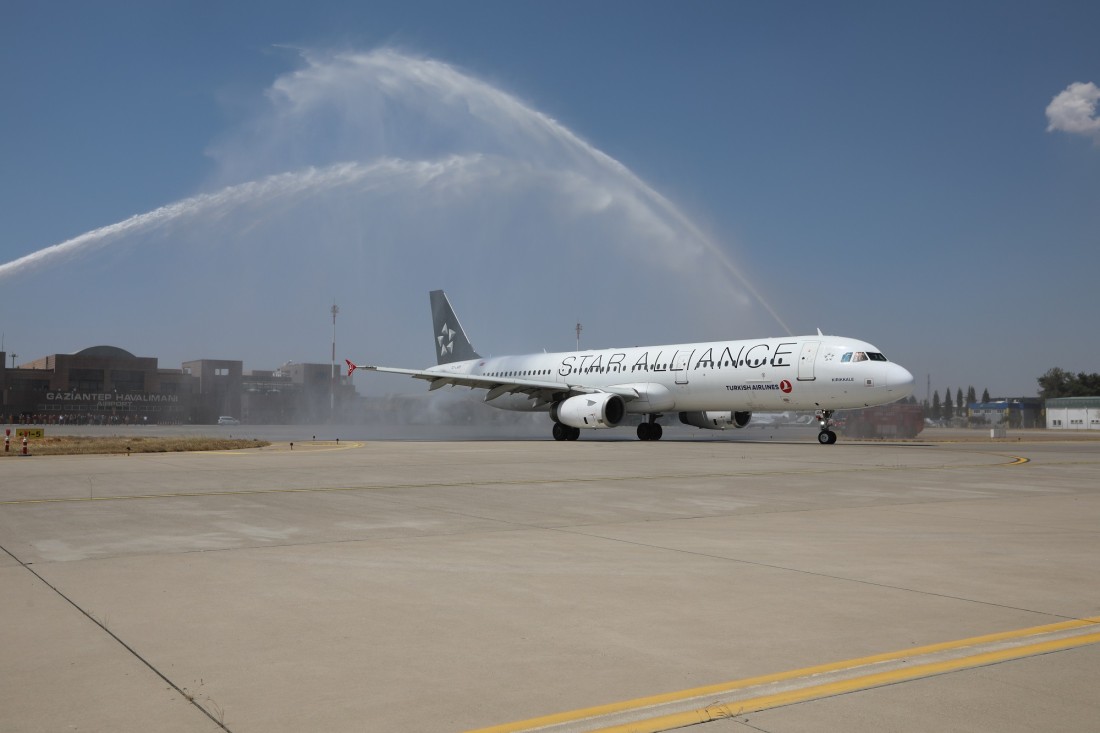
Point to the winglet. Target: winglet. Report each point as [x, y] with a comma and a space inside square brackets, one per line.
[351, 367]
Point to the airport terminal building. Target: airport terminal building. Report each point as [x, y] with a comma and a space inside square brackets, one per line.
[109, 385]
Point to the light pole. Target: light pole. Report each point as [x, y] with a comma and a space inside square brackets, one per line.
[332, 373]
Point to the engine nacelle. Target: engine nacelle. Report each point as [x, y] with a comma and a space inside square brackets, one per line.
[601, 410]
[716, 420]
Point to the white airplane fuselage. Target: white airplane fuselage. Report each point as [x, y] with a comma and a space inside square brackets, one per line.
[794, 373]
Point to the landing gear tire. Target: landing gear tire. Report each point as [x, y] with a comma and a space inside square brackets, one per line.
[826, 436]
[564, 432]
[650, 431]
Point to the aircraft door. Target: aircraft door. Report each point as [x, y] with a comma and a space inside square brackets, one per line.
[806, 361]
[680, 366]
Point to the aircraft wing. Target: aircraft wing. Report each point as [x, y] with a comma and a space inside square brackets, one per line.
[543, 391]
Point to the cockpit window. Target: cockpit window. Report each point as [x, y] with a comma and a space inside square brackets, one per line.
[862, 356]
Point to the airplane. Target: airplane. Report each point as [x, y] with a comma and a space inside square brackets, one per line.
[709, 385]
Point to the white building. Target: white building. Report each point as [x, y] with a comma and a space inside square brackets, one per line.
[1073, 413]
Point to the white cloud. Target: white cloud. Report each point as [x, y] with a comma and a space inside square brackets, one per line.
[1074, 110]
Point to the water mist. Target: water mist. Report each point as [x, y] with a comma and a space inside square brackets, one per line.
[372, 178]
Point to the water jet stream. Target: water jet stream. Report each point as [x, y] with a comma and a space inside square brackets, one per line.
[372, 99]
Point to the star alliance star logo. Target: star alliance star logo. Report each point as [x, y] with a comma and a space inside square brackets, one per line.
[446, 340]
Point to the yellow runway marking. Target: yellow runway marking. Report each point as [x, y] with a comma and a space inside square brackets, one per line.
[981, 655]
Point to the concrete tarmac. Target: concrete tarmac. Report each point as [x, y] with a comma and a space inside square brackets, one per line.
[451, 586]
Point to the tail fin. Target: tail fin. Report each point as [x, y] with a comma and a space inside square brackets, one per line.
[451, 343]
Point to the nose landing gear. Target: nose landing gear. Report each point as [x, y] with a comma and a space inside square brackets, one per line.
[826, 436]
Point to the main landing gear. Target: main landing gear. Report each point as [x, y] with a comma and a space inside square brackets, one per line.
[826, 436]
[650, 429]
[564, 432]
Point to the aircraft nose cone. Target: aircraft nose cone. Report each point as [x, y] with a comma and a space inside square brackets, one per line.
[898, 379]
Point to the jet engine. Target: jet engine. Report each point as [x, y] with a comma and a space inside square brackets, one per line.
[716, 420]
[601, 410]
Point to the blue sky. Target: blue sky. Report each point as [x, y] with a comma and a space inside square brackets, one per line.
[881, 171]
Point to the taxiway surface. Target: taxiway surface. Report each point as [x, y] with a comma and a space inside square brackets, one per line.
[441, 586]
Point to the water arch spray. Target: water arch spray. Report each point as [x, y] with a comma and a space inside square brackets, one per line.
[399, 174]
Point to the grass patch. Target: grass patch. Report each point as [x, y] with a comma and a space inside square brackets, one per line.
[71, 445]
